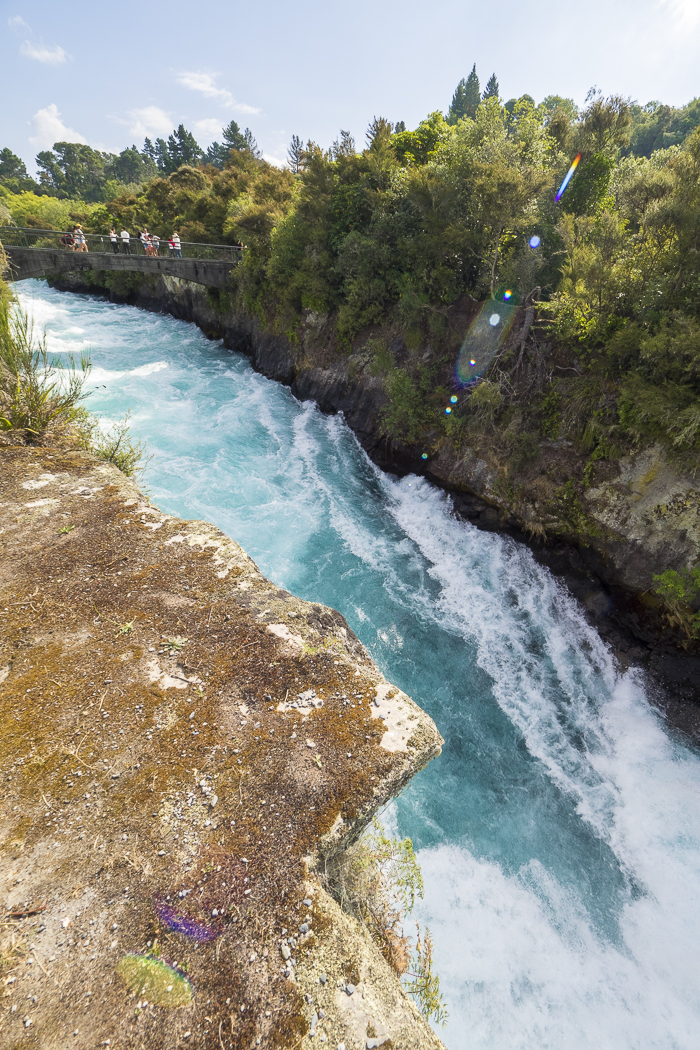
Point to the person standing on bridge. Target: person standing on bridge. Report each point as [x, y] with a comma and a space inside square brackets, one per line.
[114, 240]
[126, 250]
[79, 238]
[177, 245]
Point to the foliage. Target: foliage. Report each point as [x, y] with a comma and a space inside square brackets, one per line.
[466, 97]
[113, 443]
[51, 213]
[377, 881]
[34, 391]
[680, 592]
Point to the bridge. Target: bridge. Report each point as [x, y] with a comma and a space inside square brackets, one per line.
[39, 253]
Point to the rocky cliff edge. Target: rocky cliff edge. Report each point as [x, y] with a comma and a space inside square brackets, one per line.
[183, 744]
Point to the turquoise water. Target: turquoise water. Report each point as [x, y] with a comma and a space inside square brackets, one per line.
[559, 832]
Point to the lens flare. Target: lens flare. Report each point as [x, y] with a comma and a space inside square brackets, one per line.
[179, 923]
[453, 399]
[534, 241]
[507, 295]
[448, 410]
[424, 456]
[568, 177]
[483, 340]
[161, 983]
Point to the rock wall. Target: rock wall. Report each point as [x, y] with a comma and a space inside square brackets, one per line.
[641, 515]
[184, 743]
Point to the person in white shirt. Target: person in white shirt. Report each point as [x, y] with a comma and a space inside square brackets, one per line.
[80, 241]
[114, 239]
[125, 242]
[177, 246]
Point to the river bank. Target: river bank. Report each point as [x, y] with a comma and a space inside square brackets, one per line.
[641, 512]
[163, 697]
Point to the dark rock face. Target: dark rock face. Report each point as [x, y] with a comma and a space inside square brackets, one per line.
[643, 511]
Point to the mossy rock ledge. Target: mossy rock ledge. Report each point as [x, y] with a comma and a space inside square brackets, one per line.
[183, 743]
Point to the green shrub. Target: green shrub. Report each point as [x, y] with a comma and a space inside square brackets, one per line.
[680, 592]
[113, 444]
[35, 392]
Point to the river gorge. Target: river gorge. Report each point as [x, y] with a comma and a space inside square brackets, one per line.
[559, 831]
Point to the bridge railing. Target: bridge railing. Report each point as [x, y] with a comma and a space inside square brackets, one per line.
[28, 237]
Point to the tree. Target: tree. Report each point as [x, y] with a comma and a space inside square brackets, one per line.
[11, 166]
[131, 166]
[344, 146]
[378, 129]
[251, 145]
[149, 150]
[74, 170]
[233, 137]
[162, 156]
[466, 98]
[399, 126]
[491, 90]
[183, 148]
[295, 155]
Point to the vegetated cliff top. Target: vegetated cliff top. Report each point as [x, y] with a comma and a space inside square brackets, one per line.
[184, 743]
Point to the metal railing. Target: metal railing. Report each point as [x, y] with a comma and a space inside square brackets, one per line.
[26, 237]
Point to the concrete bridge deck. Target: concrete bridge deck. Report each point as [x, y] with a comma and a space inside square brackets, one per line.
[38, 253]
[40, 262]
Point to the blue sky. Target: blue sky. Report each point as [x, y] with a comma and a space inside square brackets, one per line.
[111, 73]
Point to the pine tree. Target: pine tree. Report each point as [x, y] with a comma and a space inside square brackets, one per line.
[183, 148]
[492, 90]
[472, 96]
[233, 137]
[295, 155]
[466, 98]
[149, 150]
[162, 157]
[399, 127]
[378, 130]
[251, 145]
[343, 146]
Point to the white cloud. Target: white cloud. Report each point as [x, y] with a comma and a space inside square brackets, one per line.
[49, 128]
[274, 160]
[205, 83]
[685, 13]
[208, 129]
[50, 56]
[151, 122]
[17, 22]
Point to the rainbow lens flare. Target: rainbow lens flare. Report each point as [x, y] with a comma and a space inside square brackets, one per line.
[448, 410]
[453, 399]
[179, 923]
[156, 980]
[424, 456]
[507, 295]
[534, 241]
[568, 177]
[483, 340]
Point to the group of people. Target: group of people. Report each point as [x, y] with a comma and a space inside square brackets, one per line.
[149, 241]
[74, 239]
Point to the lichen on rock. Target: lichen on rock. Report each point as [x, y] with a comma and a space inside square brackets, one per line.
[162, 808]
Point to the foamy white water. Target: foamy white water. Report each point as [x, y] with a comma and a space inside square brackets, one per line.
[559, 832]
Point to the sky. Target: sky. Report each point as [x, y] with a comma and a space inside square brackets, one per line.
[111, 73]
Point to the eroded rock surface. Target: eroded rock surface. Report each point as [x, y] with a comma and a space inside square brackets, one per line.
[182, 742]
